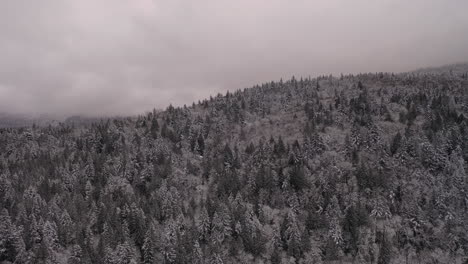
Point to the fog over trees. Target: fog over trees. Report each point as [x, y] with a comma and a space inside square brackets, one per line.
[117, 57]
[366, 168]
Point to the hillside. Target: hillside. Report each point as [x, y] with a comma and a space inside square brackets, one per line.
[370, 168]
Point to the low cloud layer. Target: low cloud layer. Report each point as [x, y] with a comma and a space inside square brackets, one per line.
[125, 57]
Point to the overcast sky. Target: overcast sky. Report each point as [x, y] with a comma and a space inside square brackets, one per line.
[128, 56]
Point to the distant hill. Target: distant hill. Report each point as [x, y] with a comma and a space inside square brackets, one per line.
[86, 120]
[24, 121]
[368, 168]
[454, 69]
[19, 120]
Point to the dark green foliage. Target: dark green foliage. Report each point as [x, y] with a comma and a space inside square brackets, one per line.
[370, 178]
[148, 248]
[396, 143]
[200, 144]
[331, 251]
[356, 216]
[11, 242]
[250, 148]
[314, 220]
[154, 128]
[385, 251]
[298, 178]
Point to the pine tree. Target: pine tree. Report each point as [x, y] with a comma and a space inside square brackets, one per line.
[334, 215]
[110, 257]
[293, 234]
[218, 229]
[197, 257]
[169, 243]
[335, 231]
[154, 128]
[148, 248]
[107, 235]
[88, 190]
[226, 221]
[50, 236]
[216, 259]
[200, 144]
[76, 255]
[65, 228]
[203, 224]
[11, 243]
[385, 251]
[396, 143]
[125, 254]
[34, 232]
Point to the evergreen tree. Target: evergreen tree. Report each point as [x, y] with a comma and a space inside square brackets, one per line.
[384, 252]
[154, 128]
[203, 225]
[76, 255]
[11, 243]
[396, 143]
[148, 248]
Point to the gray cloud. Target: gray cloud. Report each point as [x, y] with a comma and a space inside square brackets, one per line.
[125, 57]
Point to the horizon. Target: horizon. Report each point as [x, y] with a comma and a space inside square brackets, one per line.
[63, 117]
[75, 58]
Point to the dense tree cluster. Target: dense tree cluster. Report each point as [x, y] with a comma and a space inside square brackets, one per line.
[357, 169]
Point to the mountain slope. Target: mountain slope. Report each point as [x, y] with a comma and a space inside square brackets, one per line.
[368, 168]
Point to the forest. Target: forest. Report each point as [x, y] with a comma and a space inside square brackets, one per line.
[366, 168]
